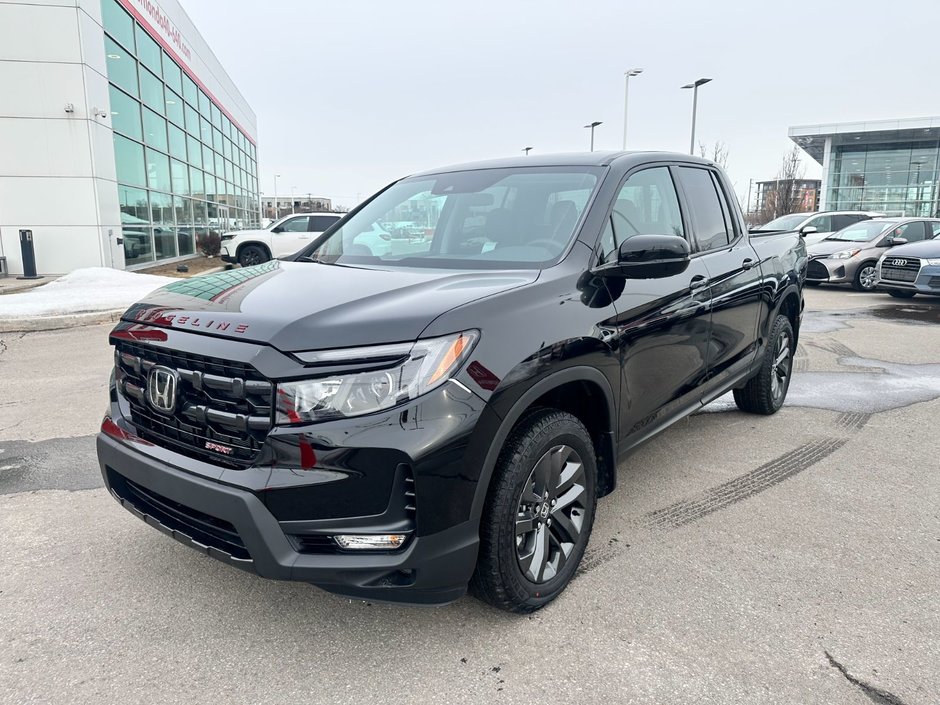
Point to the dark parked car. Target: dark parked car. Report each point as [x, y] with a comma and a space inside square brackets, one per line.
[396, 426]
[908, 270]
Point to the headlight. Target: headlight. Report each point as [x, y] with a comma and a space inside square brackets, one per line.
[845, 254]
[932, 261]
[413, 370]
[227, 236]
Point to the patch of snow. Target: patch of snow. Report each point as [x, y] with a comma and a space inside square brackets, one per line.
[82, 291]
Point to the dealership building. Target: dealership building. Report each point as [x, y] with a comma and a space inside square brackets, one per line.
[889, 166]
[123, 142]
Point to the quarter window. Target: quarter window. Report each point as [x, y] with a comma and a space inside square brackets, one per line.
[912, 232]
[707, 209]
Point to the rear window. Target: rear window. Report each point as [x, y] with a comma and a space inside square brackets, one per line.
[319, 223]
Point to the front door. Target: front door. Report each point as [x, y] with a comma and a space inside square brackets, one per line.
[663, 334]
[291, 237]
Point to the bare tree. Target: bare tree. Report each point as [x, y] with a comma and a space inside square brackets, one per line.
[719, 153]
[785, 195]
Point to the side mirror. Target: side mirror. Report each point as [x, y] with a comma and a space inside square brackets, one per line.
[277, 229]
[808, 230]
[651, 257]
[894, 241]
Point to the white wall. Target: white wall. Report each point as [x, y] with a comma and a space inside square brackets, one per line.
[47, 166]
[56, 168]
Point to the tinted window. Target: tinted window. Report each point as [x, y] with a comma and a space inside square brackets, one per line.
[295, 225]
[646, 205]
[319, 223]
[824, 224]
[844, 221]
[711, 230]
[473, 219]
[936, 229]
[912, 232]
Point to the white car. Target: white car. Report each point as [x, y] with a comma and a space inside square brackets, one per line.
[282, 238]
[816, 227]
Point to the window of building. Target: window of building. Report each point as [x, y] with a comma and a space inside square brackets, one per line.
[172, 74]
[711, 228]
[118, 23]
[125, 114]
[174, 107]
[129, 161]
[158, 170]
[122, 68]
[155, 130]
[195, 151]
[208, 159]
[177, 139]
[197, 184]
[192, 120]
[179, 176]
[210, 182]
[149, 52]
[190, 92]
[151, 91]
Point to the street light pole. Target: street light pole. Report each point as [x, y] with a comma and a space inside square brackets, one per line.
[292, 197]
[626, 91]
[527, 150]
[592, 126]
[276, 210]
[694, 87]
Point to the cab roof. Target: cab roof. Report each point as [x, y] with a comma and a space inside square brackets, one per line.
[578, 159]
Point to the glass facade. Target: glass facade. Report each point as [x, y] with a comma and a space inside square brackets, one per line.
[184, 170]
[897, 178]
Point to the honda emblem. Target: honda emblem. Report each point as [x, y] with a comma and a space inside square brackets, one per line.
[161, 389]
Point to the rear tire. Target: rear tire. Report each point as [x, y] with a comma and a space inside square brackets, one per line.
[538, 514]
[901, 294]
[766, 391]
[250, 255]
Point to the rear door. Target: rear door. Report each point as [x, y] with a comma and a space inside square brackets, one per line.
[292, 237]
[734, 274]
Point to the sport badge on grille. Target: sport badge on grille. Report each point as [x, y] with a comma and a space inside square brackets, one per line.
[161, 389]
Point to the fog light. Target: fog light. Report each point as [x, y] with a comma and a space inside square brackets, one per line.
[386, 542]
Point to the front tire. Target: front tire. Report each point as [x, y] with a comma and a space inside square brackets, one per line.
[865, 277]
[539, 513]
[250, 255]
[766, 391]
[901, 294]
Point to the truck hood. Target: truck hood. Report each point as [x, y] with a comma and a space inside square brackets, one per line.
[927, 249]
[305, 306]
[828, 247]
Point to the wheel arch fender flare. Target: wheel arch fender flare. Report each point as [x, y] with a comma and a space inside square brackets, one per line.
[524, 403]
[252, 243]
[790, 291]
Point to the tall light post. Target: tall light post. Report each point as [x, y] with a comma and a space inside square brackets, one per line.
[694, 87]
[527, 150]
[592, 126]
[277, 211]
[292, 197]
[627, 75]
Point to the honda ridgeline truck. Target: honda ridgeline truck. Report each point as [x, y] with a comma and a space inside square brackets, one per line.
[398, 426]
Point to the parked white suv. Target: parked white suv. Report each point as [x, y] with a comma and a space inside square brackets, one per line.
[816, 227]
[282, 238]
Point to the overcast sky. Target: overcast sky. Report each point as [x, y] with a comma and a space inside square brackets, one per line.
[351, 94]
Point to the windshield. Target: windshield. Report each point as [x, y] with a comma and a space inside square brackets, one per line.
[862, 232]
[479, 219]
[784, 222]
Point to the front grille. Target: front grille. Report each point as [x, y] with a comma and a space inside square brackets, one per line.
[817, 270]
[220, 404]
[892, 270]
[200, 527]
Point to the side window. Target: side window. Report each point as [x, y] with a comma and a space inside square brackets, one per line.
[935, 226]
[295, 225]
[647, 204]
[842, 221]
[319, 223]
[912, 232]
[708, 213]
[827, 223]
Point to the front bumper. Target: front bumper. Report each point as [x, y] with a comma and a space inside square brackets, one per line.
[927, 281]
[225, 254]
[832, 271]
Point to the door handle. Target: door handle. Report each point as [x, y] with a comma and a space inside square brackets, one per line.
[698, 282]
[748, 263]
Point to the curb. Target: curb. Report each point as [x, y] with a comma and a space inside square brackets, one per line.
[72, 320]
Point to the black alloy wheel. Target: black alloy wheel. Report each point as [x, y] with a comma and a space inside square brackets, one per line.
[251, 255]
[765, 392]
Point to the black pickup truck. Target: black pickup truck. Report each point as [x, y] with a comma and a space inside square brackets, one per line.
[397, 424]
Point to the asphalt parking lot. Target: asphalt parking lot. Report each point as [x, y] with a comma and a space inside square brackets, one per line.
[789, 559]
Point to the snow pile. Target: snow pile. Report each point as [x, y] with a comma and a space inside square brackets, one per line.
[82, 291]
